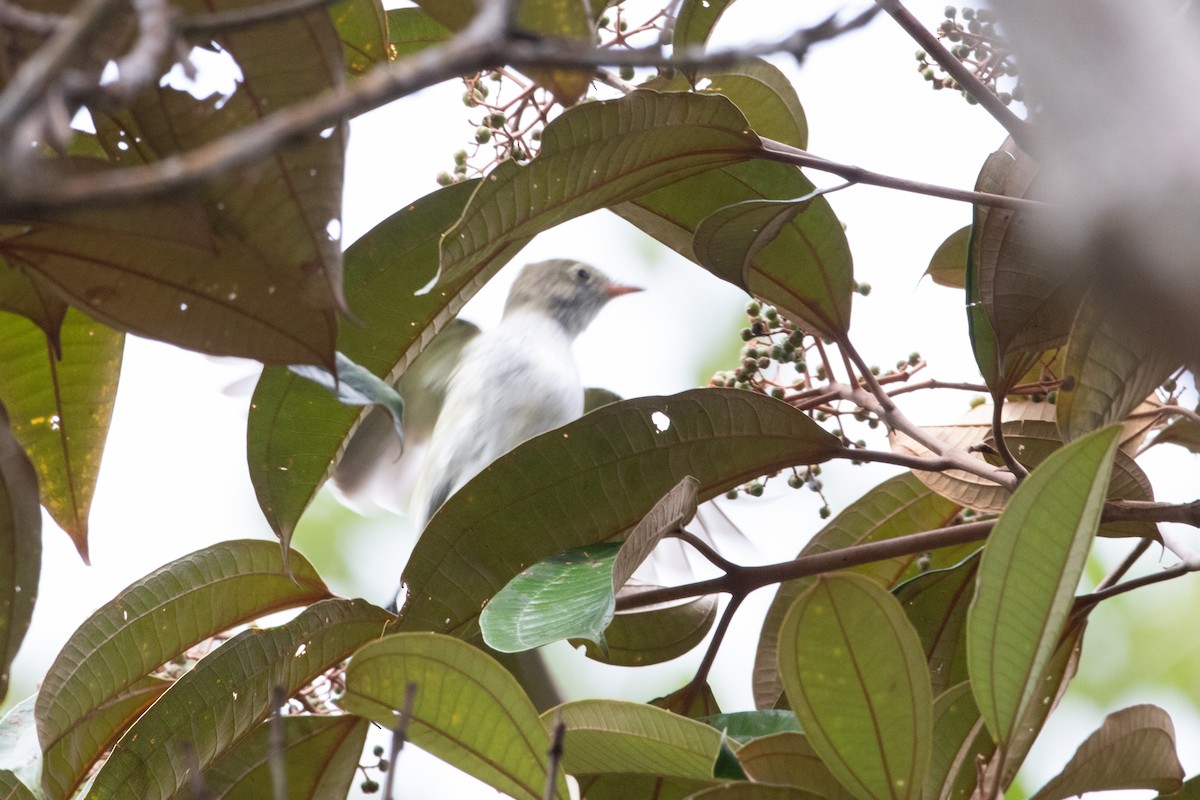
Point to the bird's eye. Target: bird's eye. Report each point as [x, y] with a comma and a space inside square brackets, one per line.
[582, 275]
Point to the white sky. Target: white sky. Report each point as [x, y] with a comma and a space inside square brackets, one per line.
[174, 477]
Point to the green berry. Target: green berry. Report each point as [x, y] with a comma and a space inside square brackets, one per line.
[764, 362]
[950, 11]
[444, 179]
[815, 485]
[622, 26]
[914, 358]
[536, 134]
[626, 73]
[777, 393]
[924, 562]
[732, 494]
[872, 424]
[954, 35]
[825, 512]
[976, 402]
[1169, 385]
[815, 469]
[922, 55]
[864, 289]
[378, 750]
[1005, 98]
[753, 308]
[469, 100]
[795, 481]
[483, 135]
[770, 313]
[383, 765]
[496, 120]
[968, 12]
[985, 15]
[796, 338]
[460, 157]
[759, 327]
[874, 369]
[369, 786]
[801, 366]
[604, 21]
[746, 334]
[755, 489]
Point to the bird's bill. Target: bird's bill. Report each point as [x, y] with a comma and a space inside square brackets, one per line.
[618, 289]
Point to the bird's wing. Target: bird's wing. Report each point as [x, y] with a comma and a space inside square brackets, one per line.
[373, 473]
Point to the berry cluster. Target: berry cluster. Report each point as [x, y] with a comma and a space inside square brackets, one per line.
[974, 41]
[369, 784]
[512, 109]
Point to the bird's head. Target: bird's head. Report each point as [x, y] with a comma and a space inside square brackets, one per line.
[570, 292]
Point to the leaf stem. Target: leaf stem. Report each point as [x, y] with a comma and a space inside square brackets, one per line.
[1010, 461]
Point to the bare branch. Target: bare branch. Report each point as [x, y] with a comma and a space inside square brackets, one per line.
[17, 16]
[29, 85]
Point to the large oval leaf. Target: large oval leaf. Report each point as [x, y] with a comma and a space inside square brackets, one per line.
[695, 21]
[855, 675]
[948, 266]
[936, 603]
[960, 740]
[1108, 371]
[60, 408]
[617, 462]
[467, 710]
[788, 759]
[296, 430]
[651, 636]
[20, 547]
[104, 663]
[1133, 748]
[228, 694]
[897, 507]
[791, 253]
[319, 754]
[615, 736]
[1028, 576]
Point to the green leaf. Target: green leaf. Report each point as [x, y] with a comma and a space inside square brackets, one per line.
[676, 509]
[855, 674]
[296, 430]
[60, 409]
[695, 21]
[690, 700]
[618, 786]
[468, 710]
[742, 726]
[617, 462]
[320, 756]
[11, 787]
[616, 736]
[803, 262]
[229, 693]
[103, 665]
[568, 595]
[1107, 372]
[1028, 299]
[948, 267]
[593, 156]
[789, 759]
[23, 294]
[566, 19]
[642, 637]
[411, 30]
[897, 507]
[1028, 575]
[1133, 748]
[354, 385]
[20, 547]
[936, 603]
[363, 28]
[1001, 369]
[1190, 790]
[960, 742]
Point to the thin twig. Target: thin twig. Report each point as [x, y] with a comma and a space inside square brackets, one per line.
[554, 755]
[29, 85]
[1126, 564]
[936, 384]
[276, 753]
[399, 737]
[777, 151]
[1134, 583]
[715, 558]
[710, 655]
[140, 67]
[1018, 128]
[17, 16]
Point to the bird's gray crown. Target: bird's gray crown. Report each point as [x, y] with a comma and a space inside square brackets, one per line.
[570, 292]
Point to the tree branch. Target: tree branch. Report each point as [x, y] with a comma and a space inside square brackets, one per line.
[236, 19]
[482, 45]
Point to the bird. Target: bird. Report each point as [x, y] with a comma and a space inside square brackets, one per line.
[472, 397]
